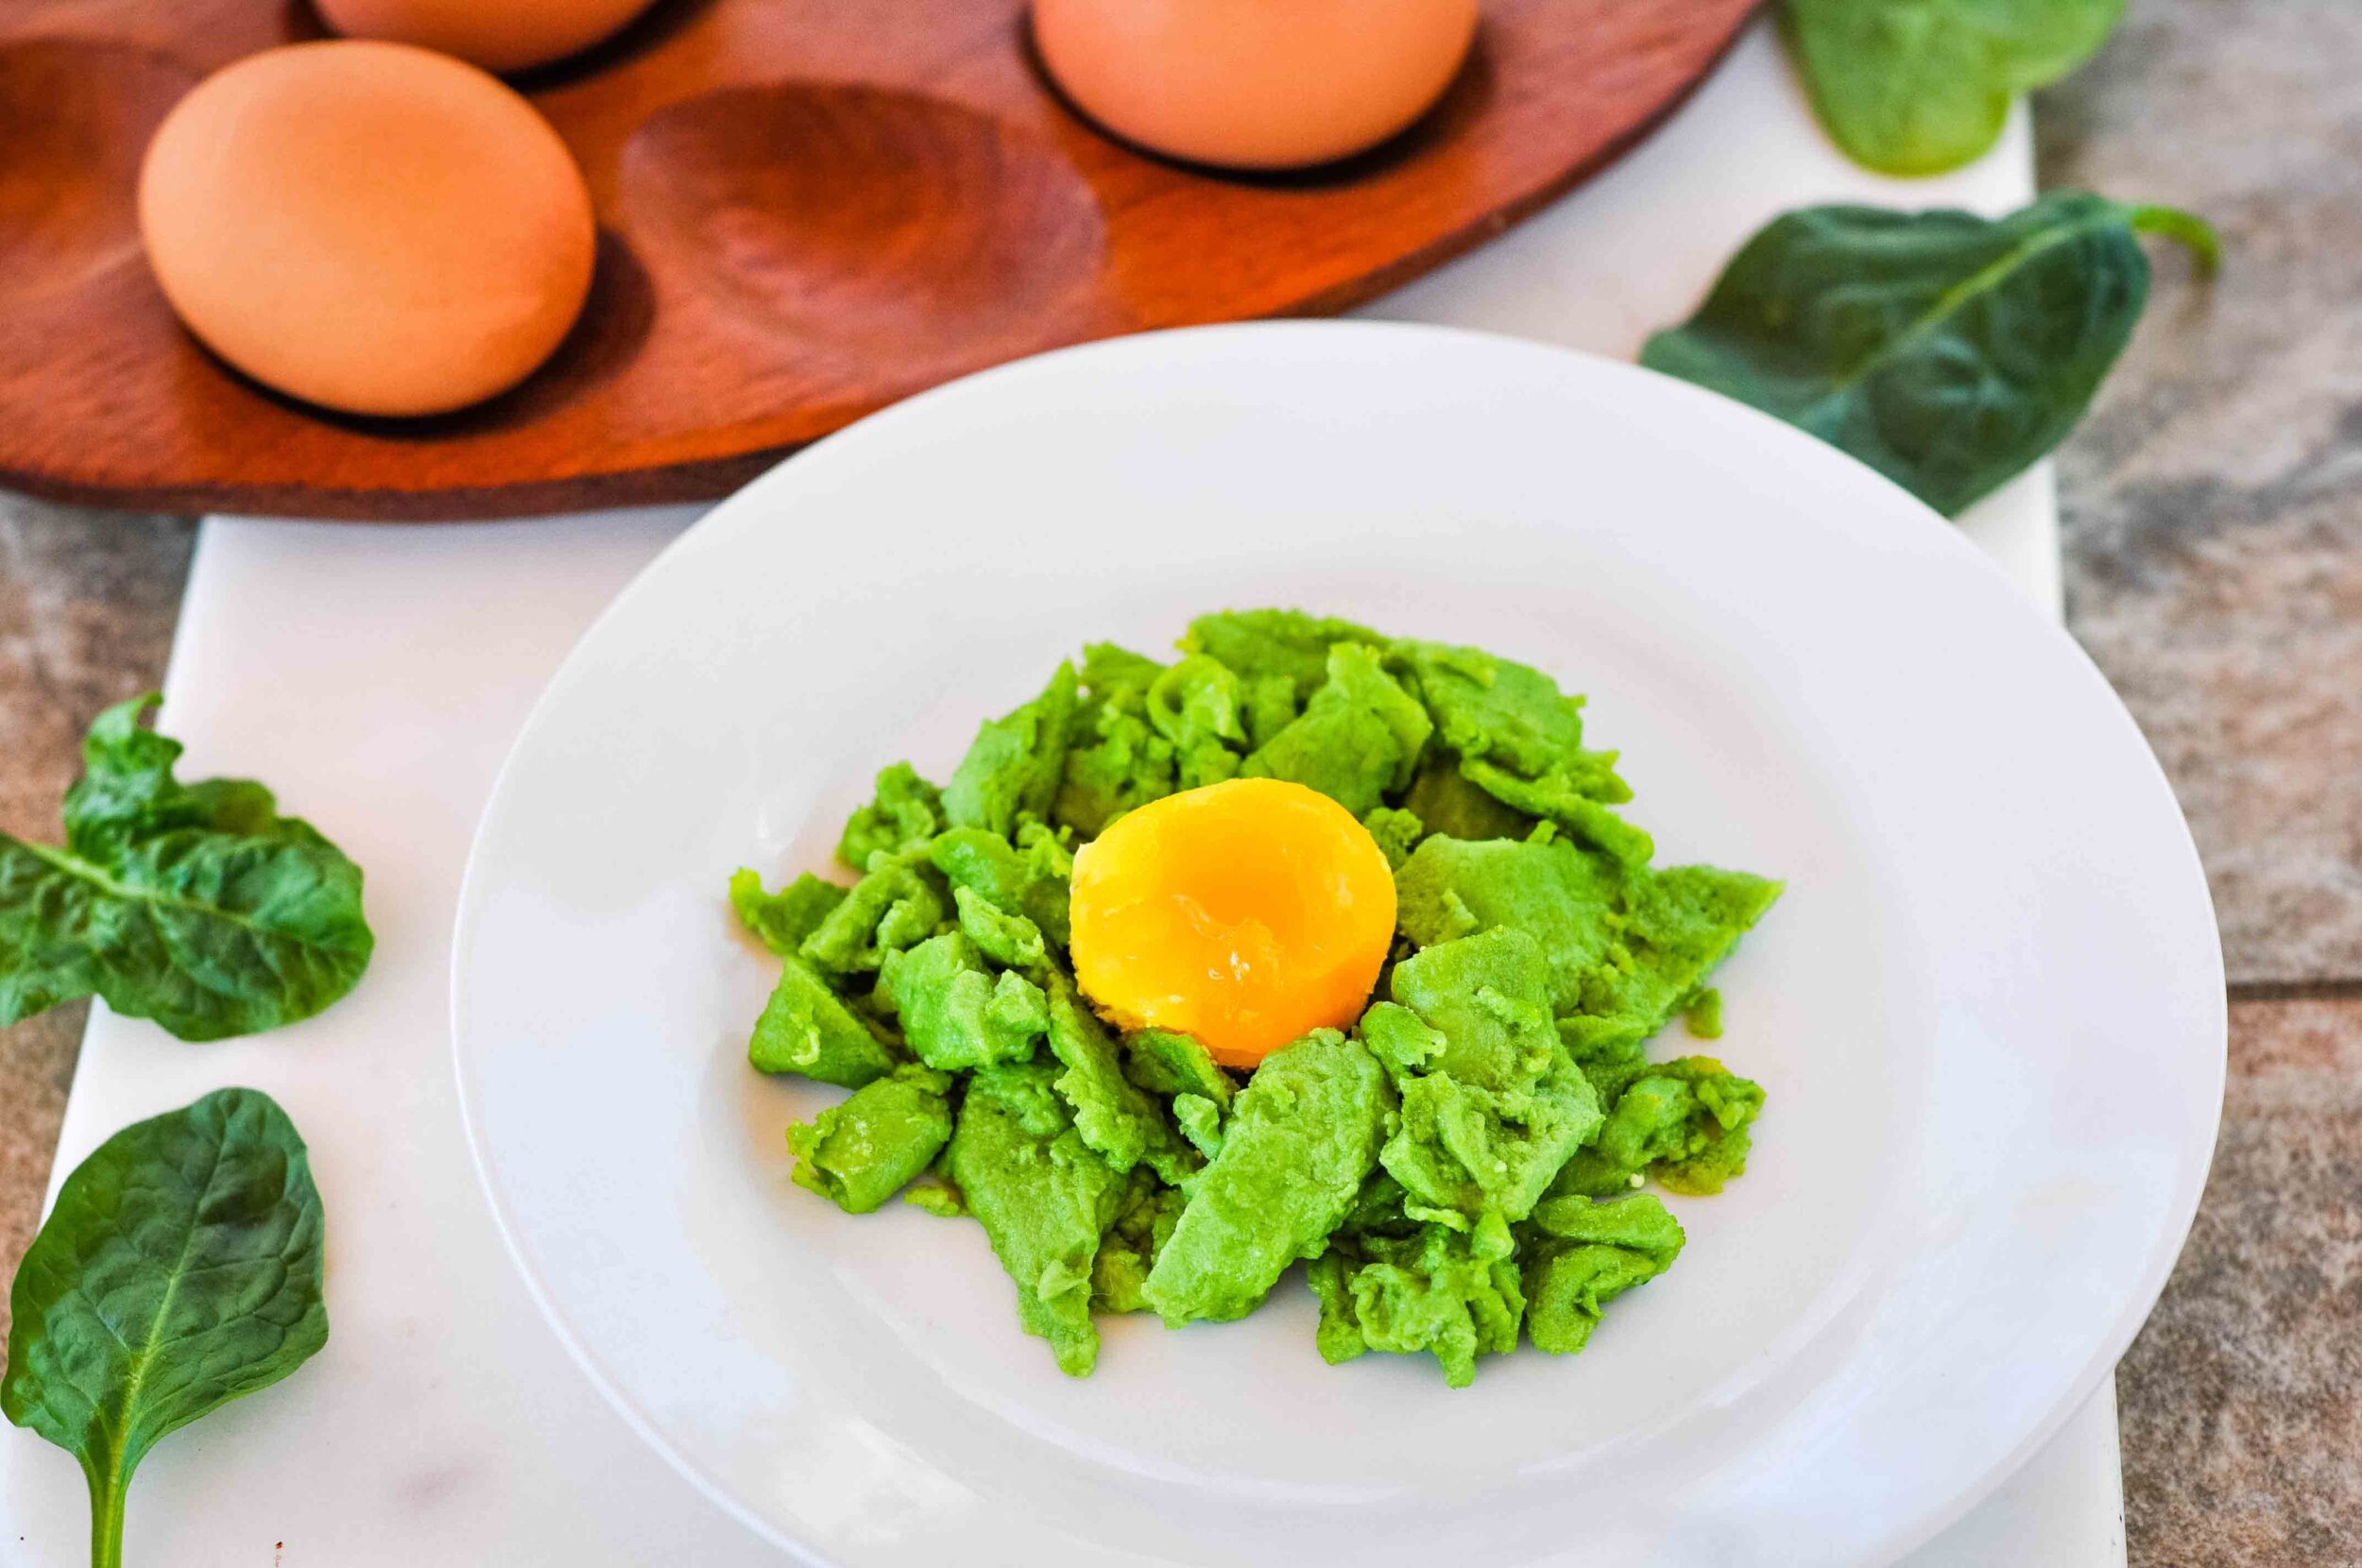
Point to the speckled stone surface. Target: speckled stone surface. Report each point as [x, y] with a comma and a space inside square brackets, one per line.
[2213, 563]
[2242, 1400]
[2213, 508]
[87, 601]
[2213, 500]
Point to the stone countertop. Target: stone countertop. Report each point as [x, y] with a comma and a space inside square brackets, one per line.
[87, 603]
[2214, 569]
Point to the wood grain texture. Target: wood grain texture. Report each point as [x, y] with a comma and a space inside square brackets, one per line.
[810, 208]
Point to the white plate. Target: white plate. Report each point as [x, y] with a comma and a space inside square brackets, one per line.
[1989, 1011]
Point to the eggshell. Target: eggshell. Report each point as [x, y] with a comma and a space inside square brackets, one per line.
[367, 225]
[499, 34]
[1255, 84]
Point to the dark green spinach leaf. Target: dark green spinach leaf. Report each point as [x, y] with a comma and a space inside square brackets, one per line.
[1946, 351]
[180, 1270]
[1916, 87]
[195, 905]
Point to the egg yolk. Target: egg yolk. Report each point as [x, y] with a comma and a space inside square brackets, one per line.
[1245, 913]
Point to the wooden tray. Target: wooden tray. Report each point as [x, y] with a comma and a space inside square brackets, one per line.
[809, 209]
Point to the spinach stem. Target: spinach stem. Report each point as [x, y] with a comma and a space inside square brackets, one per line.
[2191, 231]
[106, 1521]
[74, 865]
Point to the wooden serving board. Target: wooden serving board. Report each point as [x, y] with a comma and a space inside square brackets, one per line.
[808, 209]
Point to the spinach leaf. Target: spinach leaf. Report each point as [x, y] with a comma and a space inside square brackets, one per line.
[1916, 87]
[180, 1270]
[195, 905]
[1946, 351]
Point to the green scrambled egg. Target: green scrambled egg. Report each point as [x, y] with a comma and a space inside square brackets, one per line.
[1466, 1167]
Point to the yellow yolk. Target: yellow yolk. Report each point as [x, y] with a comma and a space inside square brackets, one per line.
[1245, 913]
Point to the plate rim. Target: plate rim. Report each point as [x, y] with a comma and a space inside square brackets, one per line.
[1893, 1544]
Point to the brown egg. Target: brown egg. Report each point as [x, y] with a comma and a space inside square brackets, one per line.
[367, 225]
[499, 34]
[1255, 84]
